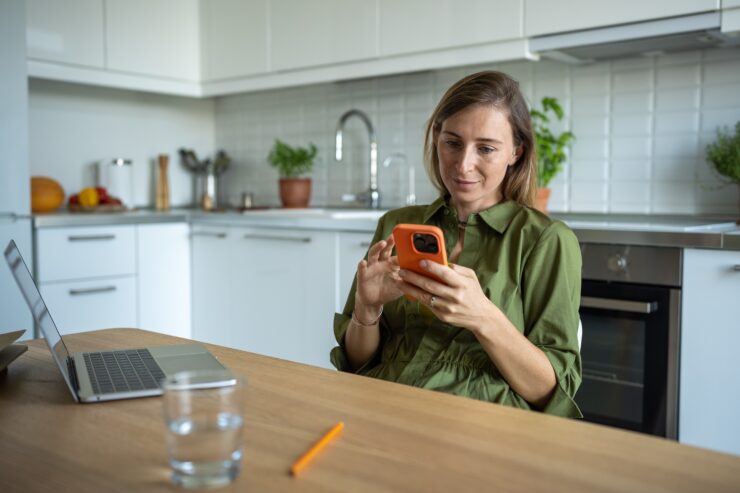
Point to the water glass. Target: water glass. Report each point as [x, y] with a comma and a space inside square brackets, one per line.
[203, 412]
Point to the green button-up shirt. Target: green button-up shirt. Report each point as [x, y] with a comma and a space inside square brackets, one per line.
[528, 264]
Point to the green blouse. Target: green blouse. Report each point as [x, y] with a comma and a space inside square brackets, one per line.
[528, 264]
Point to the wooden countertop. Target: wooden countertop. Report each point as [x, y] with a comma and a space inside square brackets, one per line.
[397, 438]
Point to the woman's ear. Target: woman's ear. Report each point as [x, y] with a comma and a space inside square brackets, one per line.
[517, 154]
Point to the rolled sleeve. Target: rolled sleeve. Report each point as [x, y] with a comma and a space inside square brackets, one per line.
[338, 354]
[551, 292]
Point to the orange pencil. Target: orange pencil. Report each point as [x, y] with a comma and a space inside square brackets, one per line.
[301, 463]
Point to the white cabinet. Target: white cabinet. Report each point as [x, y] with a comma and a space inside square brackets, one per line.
[709, 389]
[234, 38]
[322, 32]
[211, 281]
[548, 16]
[283, 286]
[87, 276]
[352, 248]
[266, 290]
[79, 306]
[158, 38]
[85, 252]
[163, 278]
[65, 32]
[424, 25]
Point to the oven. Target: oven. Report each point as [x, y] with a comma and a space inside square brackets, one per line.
[630, 310]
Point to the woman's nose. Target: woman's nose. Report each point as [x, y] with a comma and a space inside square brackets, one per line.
[466, 161]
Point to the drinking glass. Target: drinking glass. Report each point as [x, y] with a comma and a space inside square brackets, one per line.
[203, 412]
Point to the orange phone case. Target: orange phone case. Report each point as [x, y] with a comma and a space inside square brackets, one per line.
[409, 256]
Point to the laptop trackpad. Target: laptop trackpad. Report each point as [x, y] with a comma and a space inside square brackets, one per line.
[188, 362]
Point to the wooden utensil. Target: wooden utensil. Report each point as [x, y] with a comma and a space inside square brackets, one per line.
[163, 187]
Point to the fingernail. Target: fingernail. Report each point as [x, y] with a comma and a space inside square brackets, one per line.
[424, 263]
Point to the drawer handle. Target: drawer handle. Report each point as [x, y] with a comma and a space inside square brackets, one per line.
[736, 267]
[209, 234]
[619, 305]
[91, 237]
[365, 244]
[304, 239]
[104, 289]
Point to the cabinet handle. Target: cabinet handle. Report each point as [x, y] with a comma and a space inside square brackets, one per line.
[104, 289]
[208, 234]
[304, 239]
[91, 237]
[736, 267]
[365, 244]
[619, 305]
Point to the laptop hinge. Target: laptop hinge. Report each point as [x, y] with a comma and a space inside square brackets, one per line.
[72, 370]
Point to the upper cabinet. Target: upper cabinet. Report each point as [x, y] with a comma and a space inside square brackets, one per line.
[233, 38]
[412, 26]
[158, 38]
[69, 32]
[322, 32]
[554, 16]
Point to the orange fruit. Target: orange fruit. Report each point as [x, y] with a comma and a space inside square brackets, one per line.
[46, 194]
[88, 197]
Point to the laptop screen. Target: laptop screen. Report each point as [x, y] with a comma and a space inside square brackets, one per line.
[38, 309]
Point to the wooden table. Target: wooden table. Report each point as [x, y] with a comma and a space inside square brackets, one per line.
[397, 438]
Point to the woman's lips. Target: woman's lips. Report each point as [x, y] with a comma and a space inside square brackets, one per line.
[465, 184]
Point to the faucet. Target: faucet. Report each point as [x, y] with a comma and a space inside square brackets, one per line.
[371, 196]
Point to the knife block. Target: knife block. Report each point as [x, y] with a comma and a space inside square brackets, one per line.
[162, 201]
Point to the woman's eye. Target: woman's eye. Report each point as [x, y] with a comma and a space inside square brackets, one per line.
[487, 150]
[452, 143]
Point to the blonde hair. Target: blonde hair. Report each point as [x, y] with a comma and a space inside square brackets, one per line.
[502, 92]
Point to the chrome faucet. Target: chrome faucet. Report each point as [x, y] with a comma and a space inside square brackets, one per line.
[372, 196]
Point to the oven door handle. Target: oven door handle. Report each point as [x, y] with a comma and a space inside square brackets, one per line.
[619, 305]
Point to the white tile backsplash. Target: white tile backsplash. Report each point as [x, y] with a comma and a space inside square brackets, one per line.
[641, 126]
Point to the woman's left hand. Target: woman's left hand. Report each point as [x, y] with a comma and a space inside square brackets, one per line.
[457, 300]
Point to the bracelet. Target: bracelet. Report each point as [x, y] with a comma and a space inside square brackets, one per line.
[355, 320]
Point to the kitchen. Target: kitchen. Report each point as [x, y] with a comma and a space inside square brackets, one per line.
[112, 79]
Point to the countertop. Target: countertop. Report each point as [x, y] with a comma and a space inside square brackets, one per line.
[396, 437]
[624, 229]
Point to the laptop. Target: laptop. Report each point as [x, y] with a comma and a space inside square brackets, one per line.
[109, 375]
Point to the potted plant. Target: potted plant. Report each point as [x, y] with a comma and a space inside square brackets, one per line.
[550, 148]
[291, 163]
[724, 154]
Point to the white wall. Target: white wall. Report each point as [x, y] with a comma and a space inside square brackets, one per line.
[73, 126]
[642, 125]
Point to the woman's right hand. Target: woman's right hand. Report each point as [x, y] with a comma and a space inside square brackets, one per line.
[375, 284]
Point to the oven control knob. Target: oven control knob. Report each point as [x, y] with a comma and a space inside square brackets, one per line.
[617, 263]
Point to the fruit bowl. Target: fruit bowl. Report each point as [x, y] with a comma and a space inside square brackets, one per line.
[98, 208]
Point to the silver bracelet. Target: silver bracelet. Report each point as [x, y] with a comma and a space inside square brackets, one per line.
[355, 320]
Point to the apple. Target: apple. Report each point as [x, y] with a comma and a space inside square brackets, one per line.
[102, 194]
[74, 199]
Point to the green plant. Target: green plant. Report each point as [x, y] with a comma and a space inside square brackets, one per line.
[724, 153]
[291, 161]
[550, 148]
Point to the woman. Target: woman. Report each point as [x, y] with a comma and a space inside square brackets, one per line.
[502, 324]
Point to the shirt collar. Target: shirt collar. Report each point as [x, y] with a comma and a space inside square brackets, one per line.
[498, 216]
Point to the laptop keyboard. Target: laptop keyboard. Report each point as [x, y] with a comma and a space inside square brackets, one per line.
[122, 371]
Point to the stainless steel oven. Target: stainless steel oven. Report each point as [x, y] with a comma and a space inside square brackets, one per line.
[630, 310]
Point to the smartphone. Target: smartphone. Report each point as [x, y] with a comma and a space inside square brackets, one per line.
[416, 242]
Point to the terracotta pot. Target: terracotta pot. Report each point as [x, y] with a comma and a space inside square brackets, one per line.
[295, 192]
[541, 200]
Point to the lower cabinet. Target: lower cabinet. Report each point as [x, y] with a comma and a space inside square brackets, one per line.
[96, 277]
[283, 285]
[709, 396]
[272, 291]
[163, 278]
